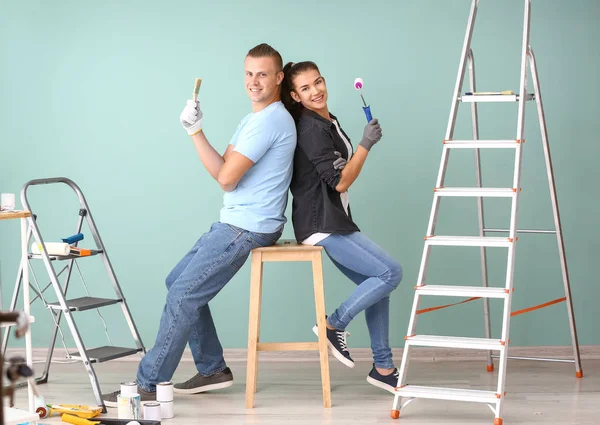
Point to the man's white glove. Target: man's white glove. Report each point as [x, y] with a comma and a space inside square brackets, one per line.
[191, 117]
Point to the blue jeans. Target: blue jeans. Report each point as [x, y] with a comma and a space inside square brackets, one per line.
[186, 318]
[376, 275]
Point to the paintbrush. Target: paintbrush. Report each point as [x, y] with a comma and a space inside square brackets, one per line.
[196, 89]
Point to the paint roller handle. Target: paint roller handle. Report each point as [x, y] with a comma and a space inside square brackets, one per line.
[72, 239]
[367, 110]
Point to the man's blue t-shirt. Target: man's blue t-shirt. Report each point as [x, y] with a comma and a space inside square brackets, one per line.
[267, 138]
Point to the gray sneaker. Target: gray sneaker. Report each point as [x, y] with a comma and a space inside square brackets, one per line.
[110, 400]
[199, 383]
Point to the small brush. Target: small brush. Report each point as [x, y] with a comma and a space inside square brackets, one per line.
[196, 89]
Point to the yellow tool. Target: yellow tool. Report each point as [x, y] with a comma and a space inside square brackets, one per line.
[77, 421]
[72, 409]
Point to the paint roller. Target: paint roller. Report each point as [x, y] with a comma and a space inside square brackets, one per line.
[52, 248]
[358, 85]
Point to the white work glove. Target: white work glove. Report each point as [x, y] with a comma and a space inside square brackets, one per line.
[191, 117]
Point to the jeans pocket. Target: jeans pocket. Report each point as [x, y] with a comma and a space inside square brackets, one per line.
[243, 251]
[265, 239]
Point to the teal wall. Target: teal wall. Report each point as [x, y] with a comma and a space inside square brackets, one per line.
[93, 91]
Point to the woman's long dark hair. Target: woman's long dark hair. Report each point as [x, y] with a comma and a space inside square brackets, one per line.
[290, 71]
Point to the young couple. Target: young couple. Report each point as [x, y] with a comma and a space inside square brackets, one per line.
[290, 140]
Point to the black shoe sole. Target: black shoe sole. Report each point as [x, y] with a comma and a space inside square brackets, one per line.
[203, 388]
[381, 385]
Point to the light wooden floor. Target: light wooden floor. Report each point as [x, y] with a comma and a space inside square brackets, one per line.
[289, 393]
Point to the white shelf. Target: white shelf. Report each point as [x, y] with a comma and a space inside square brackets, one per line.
[14, 416]
[17, 416]
[7, 324]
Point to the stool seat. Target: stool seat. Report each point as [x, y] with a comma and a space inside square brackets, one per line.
[288, 245]
[285, 250]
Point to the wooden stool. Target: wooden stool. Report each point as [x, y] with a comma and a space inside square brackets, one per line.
[285, 251]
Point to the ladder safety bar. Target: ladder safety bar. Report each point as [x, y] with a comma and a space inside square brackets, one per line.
[427, 310]
[538, 307]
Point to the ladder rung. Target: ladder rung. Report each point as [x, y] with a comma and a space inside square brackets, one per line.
[455, 342]
[106, 353]
[476, 191]
[462, 291]
[482, 144]
[84, 303]
[494, 98]
[439, 393]
[468, 241]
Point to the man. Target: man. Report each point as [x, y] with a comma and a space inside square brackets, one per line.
[255, 172]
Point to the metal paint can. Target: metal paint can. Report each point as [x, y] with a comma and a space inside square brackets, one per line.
[128, 406]
[152, 411]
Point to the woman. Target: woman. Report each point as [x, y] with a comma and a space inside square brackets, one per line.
[325, 166]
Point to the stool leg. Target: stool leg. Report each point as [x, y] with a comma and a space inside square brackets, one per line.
[253, 327]
[259, 304]
[317, 266]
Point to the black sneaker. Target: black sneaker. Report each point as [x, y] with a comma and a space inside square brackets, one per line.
[110, 400]
[387, 382]
[336, 341]
[199, 383]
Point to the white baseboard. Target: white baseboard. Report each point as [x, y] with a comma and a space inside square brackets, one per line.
[239, 355]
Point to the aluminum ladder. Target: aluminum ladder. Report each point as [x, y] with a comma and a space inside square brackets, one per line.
[405, 393]
[64, 306]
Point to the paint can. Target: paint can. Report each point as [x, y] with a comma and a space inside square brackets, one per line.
[164, 395]
[128, 406]
[152, 411]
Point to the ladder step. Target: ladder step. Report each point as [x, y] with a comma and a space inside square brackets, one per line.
[494, 98]
[455, 342]
[439, 393]
[93, 252]
[468, 241]
[106, 353]
[462, 291]
[84, 303]
[482, 144]
[476, 191]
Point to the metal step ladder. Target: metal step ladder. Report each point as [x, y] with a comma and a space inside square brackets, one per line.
[405, 393]
[65, 306]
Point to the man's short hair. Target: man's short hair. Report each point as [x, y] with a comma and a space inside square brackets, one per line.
[264, 50]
